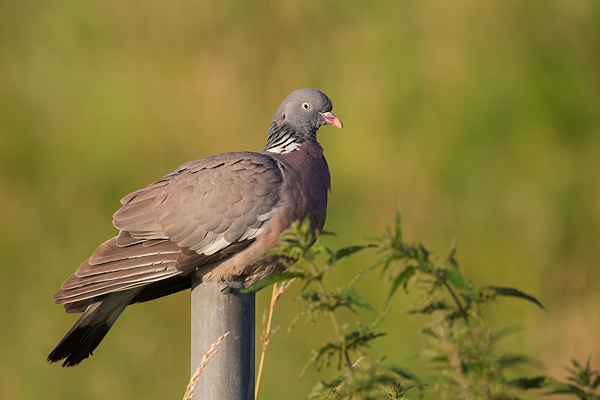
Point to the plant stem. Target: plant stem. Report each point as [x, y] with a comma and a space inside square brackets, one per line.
[458, 303]
[334, 321]
[449, 349]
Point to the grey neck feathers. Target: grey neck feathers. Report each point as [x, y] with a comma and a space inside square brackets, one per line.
[283, 138]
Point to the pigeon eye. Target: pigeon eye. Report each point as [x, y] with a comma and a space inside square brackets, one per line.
[305, 105]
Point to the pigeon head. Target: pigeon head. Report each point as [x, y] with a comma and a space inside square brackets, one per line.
[306, 109]
[298, 118]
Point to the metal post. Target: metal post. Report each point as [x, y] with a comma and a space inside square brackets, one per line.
[218, 308]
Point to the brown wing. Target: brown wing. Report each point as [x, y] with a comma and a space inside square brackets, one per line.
[202, 212]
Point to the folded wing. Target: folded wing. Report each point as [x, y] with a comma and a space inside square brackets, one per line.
[202, 212]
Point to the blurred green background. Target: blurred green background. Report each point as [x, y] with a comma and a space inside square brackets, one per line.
[481, 118]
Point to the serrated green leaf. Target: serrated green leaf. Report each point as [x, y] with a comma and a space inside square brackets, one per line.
[512, 292]
[401, 278]
[327, 233]
[386, 260]
[511, 360]
[283, 276]
[429, 332]
[345, 252]
[422, 253]
[323, 350]
[430, 308]
[451, 259]
[311, 295]
[529, 383]
[560, 388]
[456, 279]
[403, 372]
[352, 296]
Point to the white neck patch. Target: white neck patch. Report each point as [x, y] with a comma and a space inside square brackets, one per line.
[284, 148]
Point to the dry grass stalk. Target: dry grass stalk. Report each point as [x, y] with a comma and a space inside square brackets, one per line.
[189, 393]
[265, 338]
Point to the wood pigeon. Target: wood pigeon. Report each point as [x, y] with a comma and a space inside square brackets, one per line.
[218, 216]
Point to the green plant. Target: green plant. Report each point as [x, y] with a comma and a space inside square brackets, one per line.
[583, 382]
[460, 349]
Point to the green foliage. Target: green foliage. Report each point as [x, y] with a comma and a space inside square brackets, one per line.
[373, 380]
[461, 350]
[583, 382]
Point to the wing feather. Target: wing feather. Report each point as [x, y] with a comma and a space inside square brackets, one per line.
[202, 212]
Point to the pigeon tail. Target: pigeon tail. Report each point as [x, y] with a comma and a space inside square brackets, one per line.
[89, 330]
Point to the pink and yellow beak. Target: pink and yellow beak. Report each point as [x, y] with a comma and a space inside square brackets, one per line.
[331, 119]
